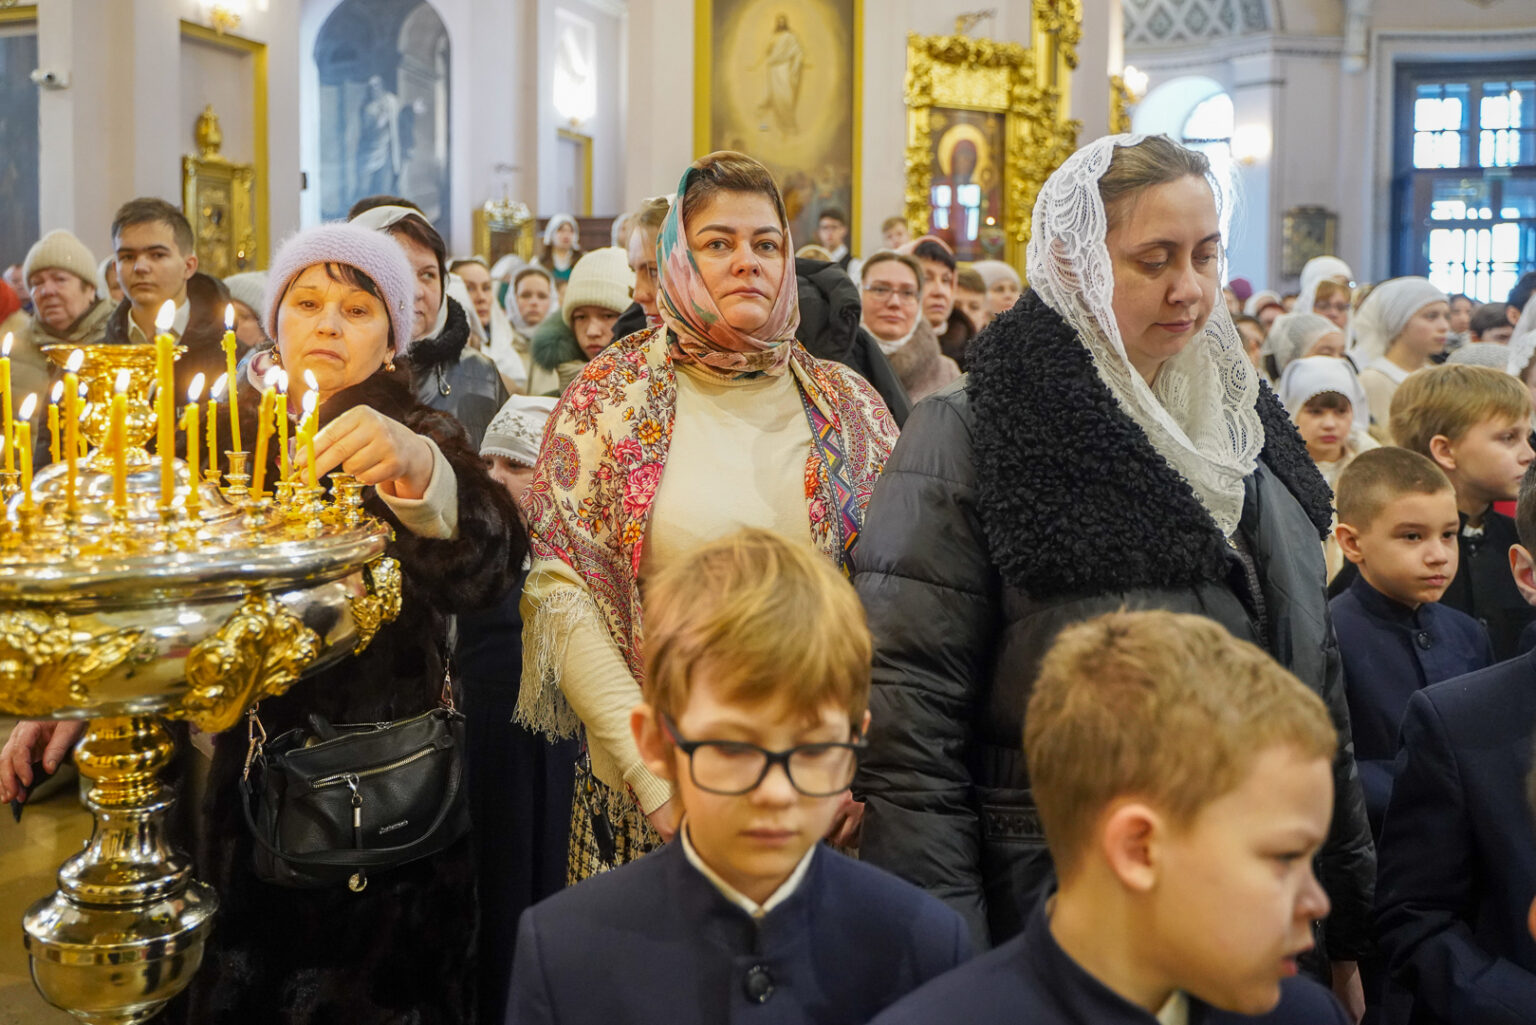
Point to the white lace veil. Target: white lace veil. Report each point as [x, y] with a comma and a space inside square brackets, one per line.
[1199, 413]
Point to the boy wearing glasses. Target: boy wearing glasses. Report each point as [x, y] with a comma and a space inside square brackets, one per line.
[757, 663]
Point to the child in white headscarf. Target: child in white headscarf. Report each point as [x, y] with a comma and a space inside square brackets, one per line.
[1295, 336]
[1324, 398]
[1399, 327]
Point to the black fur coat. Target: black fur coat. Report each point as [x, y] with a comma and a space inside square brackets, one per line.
[402, 951]
[1022, 499]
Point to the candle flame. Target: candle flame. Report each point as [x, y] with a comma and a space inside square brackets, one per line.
[311, 400]
[195, 389]
[5, 349]
[166, 317]
[229, 317]
[85, 414]
[122, 381]
[310, 382]
[28, 407]
[75, 362]
[217, 391]
[280, 378]
[58, 392]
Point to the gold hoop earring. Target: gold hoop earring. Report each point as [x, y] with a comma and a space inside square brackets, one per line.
[389, 366]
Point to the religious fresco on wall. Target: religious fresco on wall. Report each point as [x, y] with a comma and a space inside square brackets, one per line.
[965, 191]
[780, 83]
[18, 146]
[383, 100]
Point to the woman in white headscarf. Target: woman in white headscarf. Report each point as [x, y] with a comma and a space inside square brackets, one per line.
[1325, 400]
[561, 248]
[1296, 336]
[1003, 285]
[1401, 324]
[1314, 272]
[1113, 446]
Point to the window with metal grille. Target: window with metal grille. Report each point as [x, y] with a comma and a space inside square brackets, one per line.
[1464, 182]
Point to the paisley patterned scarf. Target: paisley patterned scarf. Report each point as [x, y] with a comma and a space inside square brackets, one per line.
[698, 331]
[604, 452]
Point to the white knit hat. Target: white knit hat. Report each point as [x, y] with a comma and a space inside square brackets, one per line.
[248, 288]
[61, 250]
[518, 429]
[601, 278]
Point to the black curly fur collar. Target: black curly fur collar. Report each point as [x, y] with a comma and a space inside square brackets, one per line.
[447, 346]
[1073, 497]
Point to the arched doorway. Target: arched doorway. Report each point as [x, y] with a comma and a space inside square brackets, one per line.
[1197, 112]
[383, 73]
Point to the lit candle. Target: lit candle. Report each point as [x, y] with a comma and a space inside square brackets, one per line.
[214, 395]
[229, 360]
[72, 429]
[282, 425]
[194, 394]
[119, 443]
[53, 420]
[5, 397]
[24, 444]
[263, 433]
[307, 432]
[165, 405]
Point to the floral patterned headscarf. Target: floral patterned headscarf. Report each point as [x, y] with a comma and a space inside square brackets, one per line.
[698, 331]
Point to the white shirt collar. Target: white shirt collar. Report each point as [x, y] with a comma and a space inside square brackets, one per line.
[735, 896]
[1175, 1011]
[840, 252]
[178, 326]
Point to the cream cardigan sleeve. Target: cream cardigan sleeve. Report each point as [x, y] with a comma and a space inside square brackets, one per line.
[565, 643]
[436, 513]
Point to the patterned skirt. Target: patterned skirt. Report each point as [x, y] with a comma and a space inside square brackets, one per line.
[608, 829]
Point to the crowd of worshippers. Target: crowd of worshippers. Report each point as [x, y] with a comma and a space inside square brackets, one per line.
[844, 640]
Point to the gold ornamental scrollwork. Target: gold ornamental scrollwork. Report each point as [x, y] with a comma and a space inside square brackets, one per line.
[258, 653]
[46, 665]
[1026, 85]
[382, 602]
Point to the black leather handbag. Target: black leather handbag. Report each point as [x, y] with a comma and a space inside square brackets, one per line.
[331, 804]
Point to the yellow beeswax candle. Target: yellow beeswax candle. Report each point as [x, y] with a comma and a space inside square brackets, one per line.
[194, 462]
[282, 425]
[229, 361]
[263, 434]
[119, 443]
[72, 430]
[5, 398]
[165, 406]
[24, 446]
[53, 420]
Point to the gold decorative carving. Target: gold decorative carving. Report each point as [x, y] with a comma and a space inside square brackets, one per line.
[259, 652]
[382, 602]
[218, 197]
[1026, 85]
[45, 665]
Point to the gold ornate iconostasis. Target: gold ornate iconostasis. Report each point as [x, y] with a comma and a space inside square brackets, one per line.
[986, 124]
[224, 188]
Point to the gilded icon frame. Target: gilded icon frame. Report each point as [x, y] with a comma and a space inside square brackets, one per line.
[1027, 86]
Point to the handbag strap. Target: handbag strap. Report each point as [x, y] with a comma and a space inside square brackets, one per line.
[373, 857]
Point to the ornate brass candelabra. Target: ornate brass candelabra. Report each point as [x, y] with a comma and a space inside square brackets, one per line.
[129, 613]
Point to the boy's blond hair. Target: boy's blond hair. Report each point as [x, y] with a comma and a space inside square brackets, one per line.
[1165, 707]
[763, 617]
[1451, 399]
[1381, 476]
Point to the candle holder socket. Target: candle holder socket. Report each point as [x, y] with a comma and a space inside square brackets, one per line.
[10, 484]
[239, 476]
[347, 498]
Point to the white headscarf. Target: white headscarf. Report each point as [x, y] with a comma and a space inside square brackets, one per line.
[1386, 312]
[1522, 344]
[1292, 336]
[1200, 412]
[1306, 378]
[514, 314]
[1313, 273]
[1260, 299]
[554, 224]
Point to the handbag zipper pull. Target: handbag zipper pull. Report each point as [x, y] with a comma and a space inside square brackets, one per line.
[358, 882]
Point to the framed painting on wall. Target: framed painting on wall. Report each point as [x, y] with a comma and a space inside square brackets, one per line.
[781, 80]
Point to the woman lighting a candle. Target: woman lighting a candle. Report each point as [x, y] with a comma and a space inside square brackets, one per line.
[340, 305]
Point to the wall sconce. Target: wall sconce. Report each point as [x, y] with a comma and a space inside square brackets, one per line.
[225, 17]
[1251, 144]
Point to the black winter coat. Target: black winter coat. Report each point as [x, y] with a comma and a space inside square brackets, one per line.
[455, 377]
[830, 311]
[203, 338]
[403, 949]
[1022, 499]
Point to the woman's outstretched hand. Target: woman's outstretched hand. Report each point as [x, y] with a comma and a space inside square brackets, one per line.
[376, 450]
[34, 741]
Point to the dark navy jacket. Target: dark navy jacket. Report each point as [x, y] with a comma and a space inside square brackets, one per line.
[1390, 652]
[654, 941]
[1484, 588]
[1458, 852]
[1031, 980]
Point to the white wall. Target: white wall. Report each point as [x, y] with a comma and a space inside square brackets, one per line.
[119, 130]
[607, 127]
[1332, 127]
